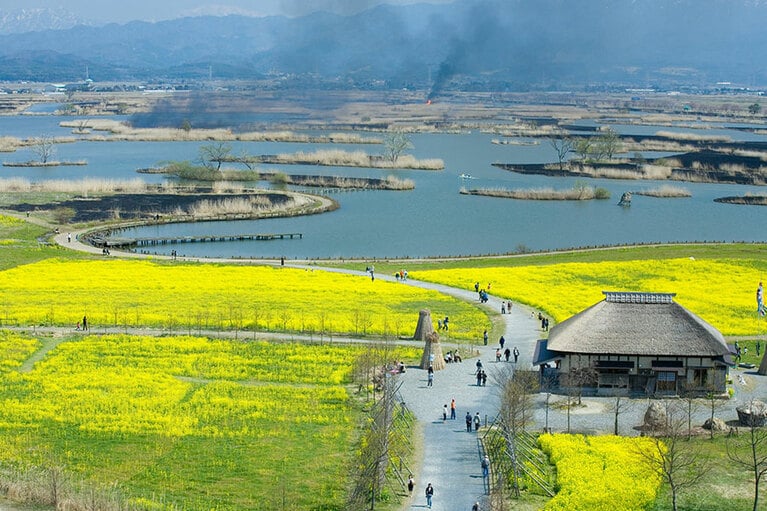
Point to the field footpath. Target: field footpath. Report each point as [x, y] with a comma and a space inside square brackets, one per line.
[451, 455]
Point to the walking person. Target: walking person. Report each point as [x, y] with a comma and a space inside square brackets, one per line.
[85, 323]
[475, 507]
[452, 409]
[468, 422]
[429, 494]
[484, 336]
[501, 341]
[484, 378]
[477, 422]
[410, 485]
[516, 354]
[431, 377]
[507, 354]
[444, 414]
[485, 466]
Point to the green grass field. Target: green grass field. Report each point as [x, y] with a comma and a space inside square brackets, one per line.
[165, 416]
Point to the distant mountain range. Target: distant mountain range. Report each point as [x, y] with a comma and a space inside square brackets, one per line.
[35, 20]
[469, 44]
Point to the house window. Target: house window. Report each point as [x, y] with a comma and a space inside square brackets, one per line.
[666, 381]
[700, 377]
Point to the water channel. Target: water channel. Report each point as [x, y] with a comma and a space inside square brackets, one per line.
[432, 220]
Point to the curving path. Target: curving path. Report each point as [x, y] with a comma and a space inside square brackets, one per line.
[451, 455]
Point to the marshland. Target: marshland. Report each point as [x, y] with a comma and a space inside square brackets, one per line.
[707, 152]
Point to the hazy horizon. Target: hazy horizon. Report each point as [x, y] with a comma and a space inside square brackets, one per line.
[111, 11]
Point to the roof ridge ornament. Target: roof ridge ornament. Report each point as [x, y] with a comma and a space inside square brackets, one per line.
[638, 297]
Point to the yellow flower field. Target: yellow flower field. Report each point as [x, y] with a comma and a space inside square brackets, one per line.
[722, 292]
[600, 473]
[206, 424]
[9, 221]
[207, 296]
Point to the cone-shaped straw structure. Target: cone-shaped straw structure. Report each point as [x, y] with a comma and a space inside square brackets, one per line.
[763, 366]
[432, 350]
[424, 326]
[432, 353]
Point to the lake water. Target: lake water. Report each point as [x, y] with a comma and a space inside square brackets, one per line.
[432, 220]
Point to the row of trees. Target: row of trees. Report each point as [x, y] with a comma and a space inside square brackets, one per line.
[212, 156]
[597, 148]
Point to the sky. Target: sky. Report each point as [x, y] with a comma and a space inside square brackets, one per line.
[122, 11]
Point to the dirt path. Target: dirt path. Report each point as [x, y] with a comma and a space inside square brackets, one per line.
[451, 460]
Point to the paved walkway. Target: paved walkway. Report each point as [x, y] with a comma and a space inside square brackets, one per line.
[451, 460]
[451, 455]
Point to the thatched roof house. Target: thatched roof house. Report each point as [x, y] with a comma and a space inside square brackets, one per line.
[637, 342]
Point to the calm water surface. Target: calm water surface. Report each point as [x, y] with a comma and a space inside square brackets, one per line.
[432, 220]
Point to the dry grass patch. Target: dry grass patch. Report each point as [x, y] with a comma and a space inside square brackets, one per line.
[693, 137]
[121, 131]
[82, 186]
[665, 191]
[340, 158]
[234, 206]
[577, 193]
[9, 144]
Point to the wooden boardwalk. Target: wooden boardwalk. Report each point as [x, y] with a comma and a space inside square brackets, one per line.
[117, 242]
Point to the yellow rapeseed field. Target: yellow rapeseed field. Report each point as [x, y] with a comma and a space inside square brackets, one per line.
[722, 292]
[209, 296]
[600, 473]
[196, 422]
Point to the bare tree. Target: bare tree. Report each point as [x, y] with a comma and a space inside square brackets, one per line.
[620, 405]
[688, 394]
[516, 412]
[680, 463]
[582, 147]
[215, 154]
[607, 143]
[395, 143]
[714, 403]
[44, 147]
[563, 145]
[750, 452]
[548, 383]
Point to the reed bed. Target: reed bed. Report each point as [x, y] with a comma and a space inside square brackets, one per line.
[693, 137]
[227, 187]
[665, 191]
[208, 208]
[751, 154]
[32, 141]
[82, 186]
[577, 193]
[666, 146]
[9, 144]
[340, 158]
[357, 183]
[121, 131]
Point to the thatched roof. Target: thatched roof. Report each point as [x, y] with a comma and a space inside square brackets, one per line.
[637, 324]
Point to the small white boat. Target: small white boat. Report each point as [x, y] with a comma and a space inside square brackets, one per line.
[466, 176]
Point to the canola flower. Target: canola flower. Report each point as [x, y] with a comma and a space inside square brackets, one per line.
[600, 473]
[722, 292]
[15, 349]
[185, 417]
[209, 296]
[9, 221]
